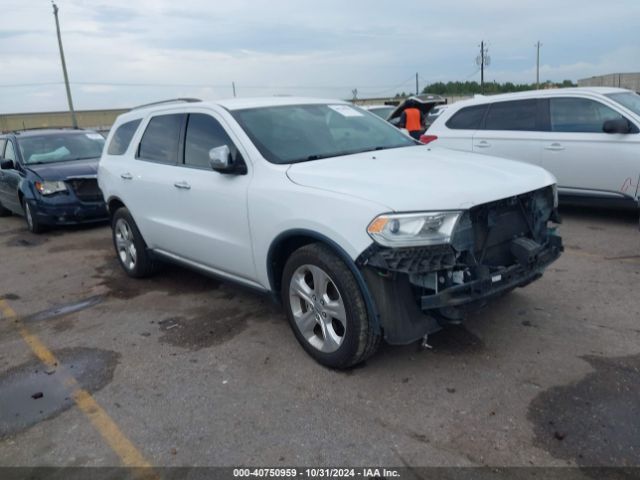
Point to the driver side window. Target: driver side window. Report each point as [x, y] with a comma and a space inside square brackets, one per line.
[9, 151]
[204, 133]
[579, 115]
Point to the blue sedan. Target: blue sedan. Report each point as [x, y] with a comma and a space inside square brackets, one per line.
[49, 177]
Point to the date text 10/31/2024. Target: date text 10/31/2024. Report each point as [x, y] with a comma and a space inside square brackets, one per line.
[316, 472]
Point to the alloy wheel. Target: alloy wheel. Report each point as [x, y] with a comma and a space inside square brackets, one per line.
[124, 244]
[317, 308]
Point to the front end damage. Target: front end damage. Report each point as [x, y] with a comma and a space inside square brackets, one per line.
[495, 248]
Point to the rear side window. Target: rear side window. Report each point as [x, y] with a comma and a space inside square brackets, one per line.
[579, 115]
[122, 137]
[204, 133]
[161, 140]
[469, 118]
[2, 142]
[517, 115]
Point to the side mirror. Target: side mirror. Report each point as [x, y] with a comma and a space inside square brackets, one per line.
[221, 161]
[7, 165]
[618, 125]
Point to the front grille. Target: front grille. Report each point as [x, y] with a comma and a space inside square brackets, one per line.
[86, 189]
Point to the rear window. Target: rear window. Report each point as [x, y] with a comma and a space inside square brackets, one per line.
[517, 115]
[468, 118]
[161, 140]
[122, 137]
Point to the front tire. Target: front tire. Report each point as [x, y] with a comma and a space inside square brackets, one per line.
[326, 309]
[4, 212]
[33, 224]
[131, 248]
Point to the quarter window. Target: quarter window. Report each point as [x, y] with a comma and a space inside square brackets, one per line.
[9, 152]
[579, 115]
[517, 115]
[469, 118]
[204, 133]
[122, 137]
[161, 139]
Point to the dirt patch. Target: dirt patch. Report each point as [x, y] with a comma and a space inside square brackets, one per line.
[171, 279]
[33, 392]
[455, 340]
[62, 325]
[596, 421]
[9, 296]
[101, 244]
[26, 239]
[204, 327]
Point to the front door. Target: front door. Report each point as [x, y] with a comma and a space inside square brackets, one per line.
[584, 158]
[10, 180]
[209, 208]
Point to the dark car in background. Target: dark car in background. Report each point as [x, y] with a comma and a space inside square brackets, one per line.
[49, 177]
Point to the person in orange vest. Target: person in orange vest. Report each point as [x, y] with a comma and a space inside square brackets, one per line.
[412, 119]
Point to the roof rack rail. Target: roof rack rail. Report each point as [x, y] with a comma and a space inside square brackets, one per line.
[29, 129]
[171, 100]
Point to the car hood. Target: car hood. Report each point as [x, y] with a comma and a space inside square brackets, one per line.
[421, 178]
[64, 170]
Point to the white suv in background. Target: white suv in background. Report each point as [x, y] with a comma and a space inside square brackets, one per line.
[362, 232]
[589, 138]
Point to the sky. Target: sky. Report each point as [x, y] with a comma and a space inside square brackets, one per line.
[122, 53]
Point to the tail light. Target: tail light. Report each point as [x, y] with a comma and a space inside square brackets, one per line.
[428, 138]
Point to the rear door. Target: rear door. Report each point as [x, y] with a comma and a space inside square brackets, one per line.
[583, 158]
[511, 130]
[148, 180]
[209, 214]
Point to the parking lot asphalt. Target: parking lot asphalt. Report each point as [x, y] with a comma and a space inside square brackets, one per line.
[97, 369]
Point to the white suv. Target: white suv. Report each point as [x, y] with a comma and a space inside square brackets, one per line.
[589, 138]
[362, 232]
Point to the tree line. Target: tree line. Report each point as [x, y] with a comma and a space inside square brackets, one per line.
[471, 88]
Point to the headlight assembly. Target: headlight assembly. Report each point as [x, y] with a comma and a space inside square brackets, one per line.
[49, 188]
[413, 229]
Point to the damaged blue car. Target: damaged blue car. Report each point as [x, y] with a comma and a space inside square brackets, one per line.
[49, 177]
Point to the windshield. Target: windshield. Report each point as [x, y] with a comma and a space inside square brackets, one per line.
[297, 133]
[382, 112]
[629, 100]
[60, 147]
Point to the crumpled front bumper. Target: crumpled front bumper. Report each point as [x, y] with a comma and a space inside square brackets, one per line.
[489, 284]
[70, 214]
[496, 247]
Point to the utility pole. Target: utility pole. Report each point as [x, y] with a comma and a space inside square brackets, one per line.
[417, 89]
[233, 84]
[483, 60]
[538, 45]
[74, 121]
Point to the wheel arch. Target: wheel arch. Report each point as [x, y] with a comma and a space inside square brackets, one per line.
[113, 204]
[289, 241]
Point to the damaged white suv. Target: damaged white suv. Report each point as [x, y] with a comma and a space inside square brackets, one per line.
[362, 233]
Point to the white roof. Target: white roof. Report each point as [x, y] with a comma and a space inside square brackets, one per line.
[551, 92]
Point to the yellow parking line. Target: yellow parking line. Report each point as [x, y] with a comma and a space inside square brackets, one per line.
[119, 443]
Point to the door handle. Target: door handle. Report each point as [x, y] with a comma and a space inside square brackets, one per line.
[183, 185]
[483, 144]
[126, 176]
[555, 147]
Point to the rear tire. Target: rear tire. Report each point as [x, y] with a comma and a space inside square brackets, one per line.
[326, 309]
[131, 248]
[33, 224]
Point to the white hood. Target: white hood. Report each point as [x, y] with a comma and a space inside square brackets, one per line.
[421, 178]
